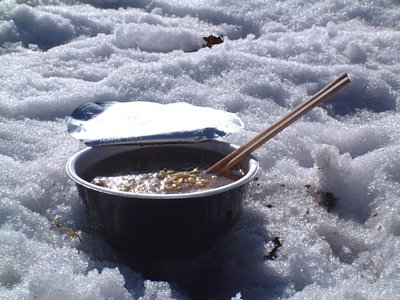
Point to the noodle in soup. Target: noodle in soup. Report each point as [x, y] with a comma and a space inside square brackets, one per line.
[172, 172]
[164, 181]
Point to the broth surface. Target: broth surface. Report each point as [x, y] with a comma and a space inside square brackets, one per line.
[160, 171]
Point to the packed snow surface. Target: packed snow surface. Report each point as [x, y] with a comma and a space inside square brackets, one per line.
[323, 219]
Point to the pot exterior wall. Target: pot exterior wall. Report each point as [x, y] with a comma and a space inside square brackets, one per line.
[163, 227]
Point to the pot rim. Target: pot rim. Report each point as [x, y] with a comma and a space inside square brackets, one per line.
[253, 166]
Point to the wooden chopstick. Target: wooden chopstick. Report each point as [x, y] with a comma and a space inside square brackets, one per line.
[236, 156]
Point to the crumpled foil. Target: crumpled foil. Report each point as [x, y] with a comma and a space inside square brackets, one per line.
[140, 122]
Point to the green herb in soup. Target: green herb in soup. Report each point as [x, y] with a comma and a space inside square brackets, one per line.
[177, 181]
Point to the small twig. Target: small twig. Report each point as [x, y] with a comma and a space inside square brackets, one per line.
[212, 40]
[69, 232]
[274, 252]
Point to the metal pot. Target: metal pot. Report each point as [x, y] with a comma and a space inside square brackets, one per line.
[159, 225]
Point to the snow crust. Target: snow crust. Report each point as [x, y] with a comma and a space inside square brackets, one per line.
[329, 185]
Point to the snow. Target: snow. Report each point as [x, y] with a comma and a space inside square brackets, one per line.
[328, 187]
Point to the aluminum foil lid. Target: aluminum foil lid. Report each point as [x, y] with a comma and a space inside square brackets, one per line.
[105, 123]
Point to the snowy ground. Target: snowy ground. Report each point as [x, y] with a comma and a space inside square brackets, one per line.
[328, 187]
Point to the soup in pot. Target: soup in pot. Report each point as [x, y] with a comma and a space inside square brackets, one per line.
[151, 171]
